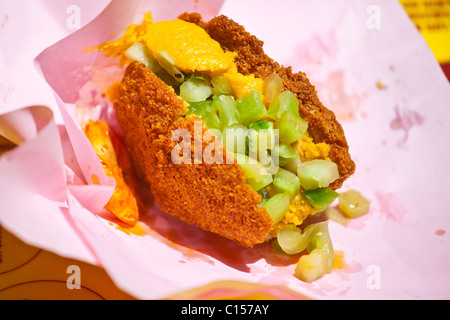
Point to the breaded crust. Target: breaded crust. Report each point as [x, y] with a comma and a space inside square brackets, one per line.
[251, 59]
[214, 196]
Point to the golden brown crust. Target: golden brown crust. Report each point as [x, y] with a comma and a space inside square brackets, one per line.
[213, 196]
[146, 101]
[251, 59]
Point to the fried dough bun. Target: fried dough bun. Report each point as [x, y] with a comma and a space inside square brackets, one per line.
[214, 197]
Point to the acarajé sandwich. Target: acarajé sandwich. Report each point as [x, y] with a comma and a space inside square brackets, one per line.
[227, 138]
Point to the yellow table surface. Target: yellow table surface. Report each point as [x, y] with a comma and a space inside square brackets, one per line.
[27, 272]
[30, 273]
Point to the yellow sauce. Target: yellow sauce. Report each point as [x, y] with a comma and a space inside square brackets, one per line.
[308, 150]
[189, 45]
[299, 210]
[242, 84]
[192, 49]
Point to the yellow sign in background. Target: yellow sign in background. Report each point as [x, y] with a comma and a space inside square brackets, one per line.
[432, 19]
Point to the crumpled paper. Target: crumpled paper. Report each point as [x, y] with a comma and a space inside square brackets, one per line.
[369, 65]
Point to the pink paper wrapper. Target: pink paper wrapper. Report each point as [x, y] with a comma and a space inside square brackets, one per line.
[369, 65]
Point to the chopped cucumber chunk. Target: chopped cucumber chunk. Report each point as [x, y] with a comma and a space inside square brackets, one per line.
[321, 240]
[353, 204]
[272, 87]
[320, 259]
[285, 154]
[201, 108]
[285, 151]
[252, 144]
[251, 108]
[221, 85]
[194, 90]
[226, 106]
[258, 185]
[320, 198]
[285, 102]
[254, 169]
[277, 206]
[264, 124]
[139, 52]
[317, 174]
[286, 182]
[206, 111]
[234, 138]
[259, 141]
[292, 165]
[290, 128]
[292, 240]
[311, 267]
[261, 138]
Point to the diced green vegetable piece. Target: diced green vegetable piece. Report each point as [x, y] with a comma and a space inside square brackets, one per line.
[254, 169]
[258, 185]
[286, 182]
[317, 174]
[311, 267]
[292, 240]
[320, 259]
[272, 87]
[261, 137]
[285, 102]
[277, 206]
[261, 140]
[234, 138]
[206, 111]
[282, 162]
[291, 128]
[321, 240]
[194, 90]
[264, 124]
[285, 153]
[251, 108]
[139, 52]
[201, 108]
[221, 85]
[292, 165]
[353, 204]
[212, 121]
[252, 144]
[227, 109]
[320, 198]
